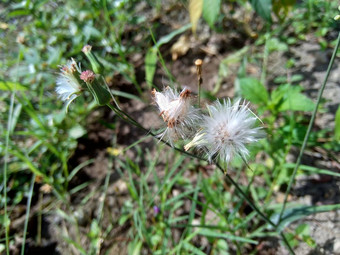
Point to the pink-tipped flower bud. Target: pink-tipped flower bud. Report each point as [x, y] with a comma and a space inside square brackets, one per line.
[86, 48]
[87, 76]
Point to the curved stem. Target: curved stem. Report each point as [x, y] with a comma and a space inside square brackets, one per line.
[304, 144]
[284, 239]
[28, 209]
[244, 196]
[128, 118]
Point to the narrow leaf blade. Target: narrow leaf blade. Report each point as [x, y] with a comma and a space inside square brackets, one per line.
[195, 12]
[211, 9]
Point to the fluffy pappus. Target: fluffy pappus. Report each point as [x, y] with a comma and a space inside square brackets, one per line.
[226, 131]
[68, 86]
[177, 112]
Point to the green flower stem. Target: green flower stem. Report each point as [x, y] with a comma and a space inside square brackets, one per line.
[112, 96]
[311, 122]
[245, 197]
[6, 158]
[28, 209]
[6, 218]
[284, 239]
[128, 118]
[243, 194]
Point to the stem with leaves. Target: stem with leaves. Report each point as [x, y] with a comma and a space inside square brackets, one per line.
[129, 119]
[125, 116]
[304, 144]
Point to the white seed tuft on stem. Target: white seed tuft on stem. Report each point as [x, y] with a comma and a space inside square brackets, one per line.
[177, 112]
[68, 86]
[226, 131]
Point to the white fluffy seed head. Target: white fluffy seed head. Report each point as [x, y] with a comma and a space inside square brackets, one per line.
[68, 86]
[177, 112]
[226, 131]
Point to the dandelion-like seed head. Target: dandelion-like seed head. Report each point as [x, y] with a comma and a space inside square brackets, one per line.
[226, 131]
[68, 86]
[177, 112]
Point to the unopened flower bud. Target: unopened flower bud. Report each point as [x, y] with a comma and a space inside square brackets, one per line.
[97, 67]
[87, 76]
[86, 49]
[101, 95]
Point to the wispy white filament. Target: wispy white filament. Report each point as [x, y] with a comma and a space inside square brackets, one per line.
[177, 112]
[68, 85]
[226, 131]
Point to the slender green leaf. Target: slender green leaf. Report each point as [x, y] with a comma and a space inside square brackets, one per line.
[313, 169]
[150, 65]
[169, 37]
[124, 94]
[263, 8]
[223, 70]
[174, 199]
[137, 248]
[193, 249]
[17, 13]
[9, 85]
[214, 234]
[15, 117]
[75, 244]
[28, 209]
[298, 212]
[195, 12]
[79, 167]
[211, 10]
[337, 125]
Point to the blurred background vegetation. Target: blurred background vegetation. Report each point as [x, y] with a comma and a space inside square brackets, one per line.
[86, 182]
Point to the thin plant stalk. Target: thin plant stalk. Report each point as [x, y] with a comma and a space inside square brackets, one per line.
[9, 123]
[311, 122]
[168, 73]
[284, 239]
[242, 193]
[41, 196]
[103, 197]
[265, 59]
[245, 197]
[28, 209]
[108, 88]
[198, 64]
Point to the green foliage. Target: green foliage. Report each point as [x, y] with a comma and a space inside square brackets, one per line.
[281, 8]
[191, 198]
[8, 85]
[211, 10]
[287, 97]
[150, 65]
[337, 125]
[263, 8]
[254, 91]
[151, 56]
